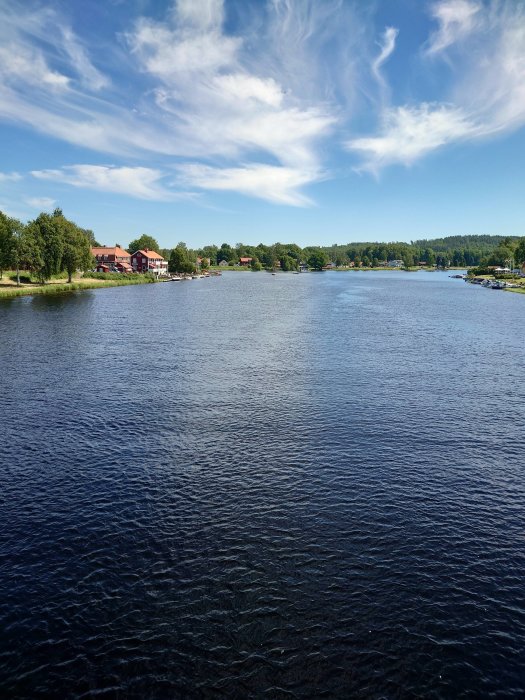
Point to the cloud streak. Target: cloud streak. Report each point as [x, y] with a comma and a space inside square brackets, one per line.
[279, 185]
[139, 182]
[387, 46]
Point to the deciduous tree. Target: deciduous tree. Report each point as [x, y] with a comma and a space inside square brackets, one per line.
[142, 243]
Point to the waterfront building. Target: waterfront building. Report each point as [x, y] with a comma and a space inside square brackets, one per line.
[149, 261]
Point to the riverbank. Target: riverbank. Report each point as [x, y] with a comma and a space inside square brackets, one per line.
[9, 290]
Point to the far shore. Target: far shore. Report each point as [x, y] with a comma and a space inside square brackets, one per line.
[60, 285]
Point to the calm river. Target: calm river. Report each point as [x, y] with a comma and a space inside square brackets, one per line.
[261, 486]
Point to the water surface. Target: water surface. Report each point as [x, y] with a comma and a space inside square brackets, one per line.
[264, 486]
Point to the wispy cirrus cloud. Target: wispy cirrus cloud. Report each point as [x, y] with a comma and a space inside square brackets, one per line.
[219, 106]
[456, 19]
[409, 133]
[140, 182]
[257, 98]
[208, 96]
[387, 46]
[484, 45]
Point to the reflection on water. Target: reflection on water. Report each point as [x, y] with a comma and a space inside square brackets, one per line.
[258, 485]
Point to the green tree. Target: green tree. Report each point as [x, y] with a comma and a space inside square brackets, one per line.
[77, 250]
[90, 236]
[317, 259]
[179, 261]
[209, 251]
[500, 255]
[519, 253]
[6, 242]
[142, 243]
[27, 250]
[255, 265]
[47, 237]
[226, 252]
[288, 263]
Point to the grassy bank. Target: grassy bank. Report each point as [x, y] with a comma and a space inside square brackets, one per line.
[10, 291]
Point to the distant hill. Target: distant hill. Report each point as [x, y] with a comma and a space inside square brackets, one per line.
[483, 244]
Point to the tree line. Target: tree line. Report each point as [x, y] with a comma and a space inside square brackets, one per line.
[46, 246]
[453, 251]
[51, 244]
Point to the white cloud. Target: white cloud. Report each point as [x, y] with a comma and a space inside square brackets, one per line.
[22, 63]
[272, 183]
[41, 202]
[201, 14]
[143, 183]
[457, 19]
[486, 95]
[493, 82]
[32, 38]
[10, 177]
[387, 46]
[80, 61]
[408, 134]
[256, 105]
[220, 104]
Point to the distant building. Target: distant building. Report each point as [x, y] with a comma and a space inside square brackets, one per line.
[149, 261]
[223, 263]
[245, 261]
[101, 267]
[395, 263]
[115, 258]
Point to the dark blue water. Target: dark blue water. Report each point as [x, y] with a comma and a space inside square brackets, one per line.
[261, 486]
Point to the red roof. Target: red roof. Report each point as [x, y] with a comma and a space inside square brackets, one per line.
[245, 259]
[110, 250]
[149, 254]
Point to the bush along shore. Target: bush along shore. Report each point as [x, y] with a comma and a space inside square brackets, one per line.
[89, 281]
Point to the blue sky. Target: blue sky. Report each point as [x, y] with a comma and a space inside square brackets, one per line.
[314, 121]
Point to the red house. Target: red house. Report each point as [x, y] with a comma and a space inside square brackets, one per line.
[102, 268]
[115, 258]
[245, 261]
[149, 261]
